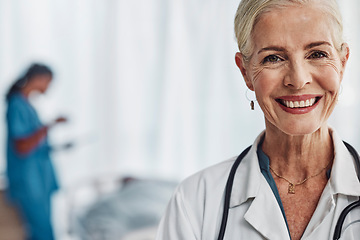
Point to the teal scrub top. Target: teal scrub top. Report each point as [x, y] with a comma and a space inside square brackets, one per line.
[29, 175]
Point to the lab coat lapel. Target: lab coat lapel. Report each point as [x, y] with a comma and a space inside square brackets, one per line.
[265, 215]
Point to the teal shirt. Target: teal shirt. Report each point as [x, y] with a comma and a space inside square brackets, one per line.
[29, 175]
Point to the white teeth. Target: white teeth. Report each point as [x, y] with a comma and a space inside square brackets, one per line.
[297, 104]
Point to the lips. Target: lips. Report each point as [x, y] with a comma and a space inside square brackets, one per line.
[298, 104]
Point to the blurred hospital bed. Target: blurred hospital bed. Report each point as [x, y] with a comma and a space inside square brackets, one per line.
[111, 208]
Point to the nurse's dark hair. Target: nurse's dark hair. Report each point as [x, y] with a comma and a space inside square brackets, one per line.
[35, 69]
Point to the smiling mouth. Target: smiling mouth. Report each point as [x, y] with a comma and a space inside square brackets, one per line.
[299, 104]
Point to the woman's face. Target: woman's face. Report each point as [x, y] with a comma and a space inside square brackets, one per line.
[295, 69]
[41, 82]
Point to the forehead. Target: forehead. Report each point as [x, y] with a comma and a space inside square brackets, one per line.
[292, 26]
[43, 76]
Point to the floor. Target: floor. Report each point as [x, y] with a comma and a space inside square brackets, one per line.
[10, 224]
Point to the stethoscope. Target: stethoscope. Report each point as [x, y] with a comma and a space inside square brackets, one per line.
[230, 181]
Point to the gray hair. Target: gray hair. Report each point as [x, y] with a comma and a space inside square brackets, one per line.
[250, 11]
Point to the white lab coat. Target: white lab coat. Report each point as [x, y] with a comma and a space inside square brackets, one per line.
[196, 208]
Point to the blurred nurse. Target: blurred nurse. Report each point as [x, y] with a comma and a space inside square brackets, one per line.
[30, 172]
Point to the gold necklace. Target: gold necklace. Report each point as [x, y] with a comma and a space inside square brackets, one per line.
[291, 188]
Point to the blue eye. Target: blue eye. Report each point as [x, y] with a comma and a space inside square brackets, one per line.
[271, 59]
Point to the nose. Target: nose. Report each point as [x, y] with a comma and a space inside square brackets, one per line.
[297, 76]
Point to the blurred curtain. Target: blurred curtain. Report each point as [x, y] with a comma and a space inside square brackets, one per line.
[150, 86]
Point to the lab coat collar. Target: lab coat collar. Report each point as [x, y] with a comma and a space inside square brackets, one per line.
[247, 180]
[343, 178]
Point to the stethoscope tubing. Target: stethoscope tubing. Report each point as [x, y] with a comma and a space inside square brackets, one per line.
[228, 189]
[344, 213]
[340, 222]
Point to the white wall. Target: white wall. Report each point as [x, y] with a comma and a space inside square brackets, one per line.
[150, 86]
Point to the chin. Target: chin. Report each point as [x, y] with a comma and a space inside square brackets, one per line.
[300, 130]
[294, 126]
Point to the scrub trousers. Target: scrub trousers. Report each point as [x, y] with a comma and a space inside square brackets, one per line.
[36, 217]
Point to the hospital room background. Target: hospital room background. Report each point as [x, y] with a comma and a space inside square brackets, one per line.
[150, 88]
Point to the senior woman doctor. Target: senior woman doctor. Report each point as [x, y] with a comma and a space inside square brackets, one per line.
[298, 175]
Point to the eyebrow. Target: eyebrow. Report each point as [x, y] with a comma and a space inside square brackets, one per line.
[281, 49]
[271, 48]
[316, 44]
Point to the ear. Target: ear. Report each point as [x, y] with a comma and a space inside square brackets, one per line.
[345, 53]
[239, 60]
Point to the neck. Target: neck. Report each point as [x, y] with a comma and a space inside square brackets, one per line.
[298, 156]
[26, 91]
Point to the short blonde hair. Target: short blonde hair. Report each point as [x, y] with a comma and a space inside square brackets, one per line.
[250, 11]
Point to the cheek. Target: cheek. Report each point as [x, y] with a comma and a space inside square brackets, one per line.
[329, 79]
[266, 81]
